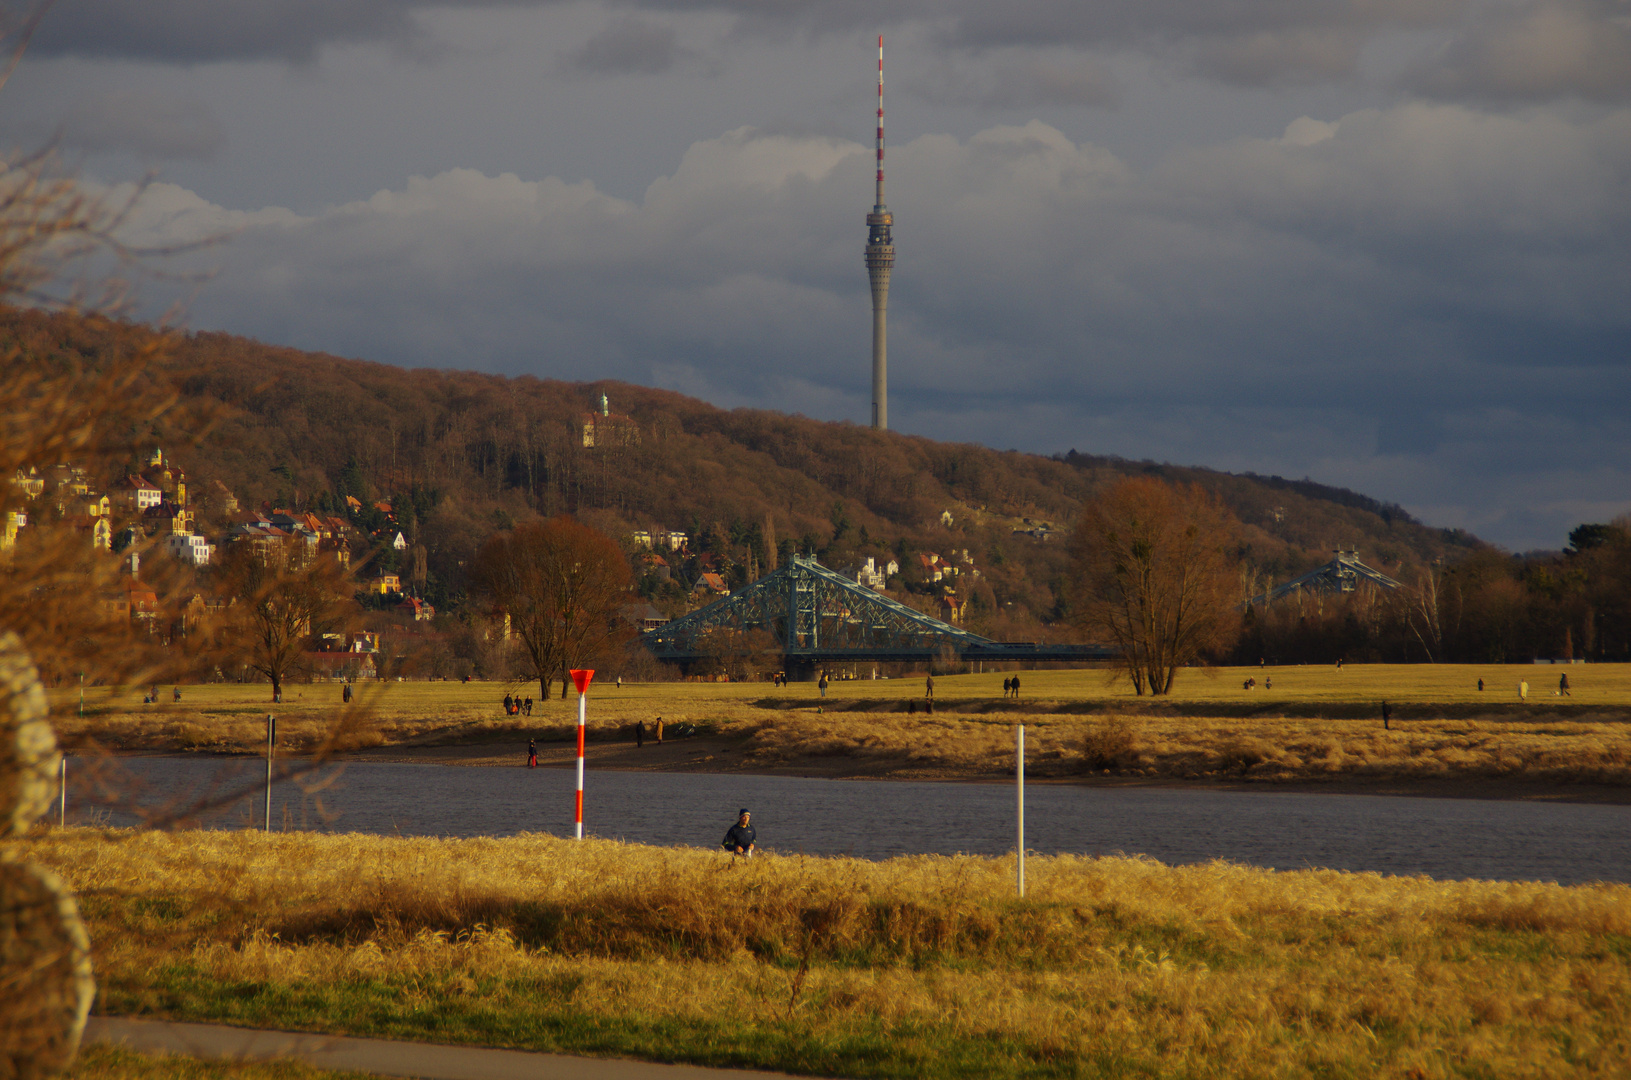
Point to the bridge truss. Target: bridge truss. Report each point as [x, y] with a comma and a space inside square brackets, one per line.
[811, 615]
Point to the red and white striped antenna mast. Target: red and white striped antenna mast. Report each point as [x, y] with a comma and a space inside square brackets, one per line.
[880, 259]
[879, 199]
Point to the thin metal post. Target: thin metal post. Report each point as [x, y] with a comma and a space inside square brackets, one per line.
[1019, 786]
[271, 737]
[583, 715]
[62, 794]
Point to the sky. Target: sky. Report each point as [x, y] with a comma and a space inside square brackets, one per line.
[1384, 244]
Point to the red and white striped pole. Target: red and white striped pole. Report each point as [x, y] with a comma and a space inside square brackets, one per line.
[581, 677]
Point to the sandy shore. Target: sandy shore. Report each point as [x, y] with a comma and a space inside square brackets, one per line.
[727, 755]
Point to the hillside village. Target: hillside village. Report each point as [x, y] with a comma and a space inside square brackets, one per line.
[153, 520]
[402, 475]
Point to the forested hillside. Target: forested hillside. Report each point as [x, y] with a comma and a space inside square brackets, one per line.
[459, 454]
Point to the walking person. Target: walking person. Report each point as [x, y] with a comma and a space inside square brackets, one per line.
[1007, 688]
[1562, 685]
[929, 687]
[822, 685]
[1016, 687]
[532, 753]
[529, 706]
[740, 837]
[659, 731]
[1387, 714]
[639, 733]
[509, 703]
[1480, 686]
[1523, 689]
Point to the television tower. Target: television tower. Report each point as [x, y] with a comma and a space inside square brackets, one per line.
[880, 259]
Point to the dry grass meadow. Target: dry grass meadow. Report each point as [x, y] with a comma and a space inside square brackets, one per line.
[1300, 725]
[919, 966]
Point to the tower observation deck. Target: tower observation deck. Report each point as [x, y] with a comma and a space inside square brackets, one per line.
[880, 260]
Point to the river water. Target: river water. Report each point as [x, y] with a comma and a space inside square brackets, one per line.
[1443, 838]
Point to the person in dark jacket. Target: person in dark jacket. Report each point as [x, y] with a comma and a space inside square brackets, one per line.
[532, 753]
[739, 840]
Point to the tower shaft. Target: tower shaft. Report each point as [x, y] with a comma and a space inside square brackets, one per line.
[880, 260]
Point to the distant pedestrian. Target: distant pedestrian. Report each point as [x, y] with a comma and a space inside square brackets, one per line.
[739, 839]
[1262, 663]
[532, 753]
[1339, 663]
[529, 706]
[1523, 689]
[1016, 687]
[659, 731]
[1268, 682]
[1562, 686]
[1007, 688]
[509, 704]
[929, 687]
[176, 690]
[620, 682]
[345, 694]
[639, 733]
[822, 685]
[1480, 686]
[1387, 714]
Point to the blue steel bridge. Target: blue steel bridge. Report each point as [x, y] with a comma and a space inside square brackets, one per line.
[813, 616]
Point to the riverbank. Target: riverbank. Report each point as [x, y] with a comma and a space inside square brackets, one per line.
[1314, 730]
[921, 966]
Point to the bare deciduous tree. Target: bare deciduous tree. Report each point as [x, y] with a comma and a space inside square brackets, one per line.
[1155, 578]
[563, 586]
[281, 602]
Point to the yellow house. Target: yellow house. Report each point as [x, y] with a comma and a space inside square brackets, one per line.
[15, 520]
[385, 584]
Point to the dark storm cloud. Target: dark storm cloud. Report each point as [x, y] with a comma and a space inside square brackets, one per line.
[629, 46]
[147, 123]
[1423, 302]
[1535, 52]
[1250, 41]
[204, 31]
[1018, 80]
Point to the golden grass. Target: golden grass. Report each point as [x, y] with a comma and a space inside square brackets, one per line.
[1606, 685]
[1079, 723]
[1109, 965]
[1271, 750]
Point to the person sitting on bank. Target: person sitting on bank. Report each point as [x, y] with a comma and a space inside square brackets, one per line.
[739, 840]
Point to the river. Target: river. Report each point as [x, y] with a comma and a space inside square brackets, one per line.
[1442, 838]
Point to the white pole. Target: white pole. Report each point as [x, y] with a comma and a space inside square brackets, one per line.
[583, 713]
[1019, 786]
[271, 735]
[62, 795]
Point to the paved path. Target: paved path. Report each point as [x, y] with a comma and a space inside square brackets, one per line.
[381, 1056]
